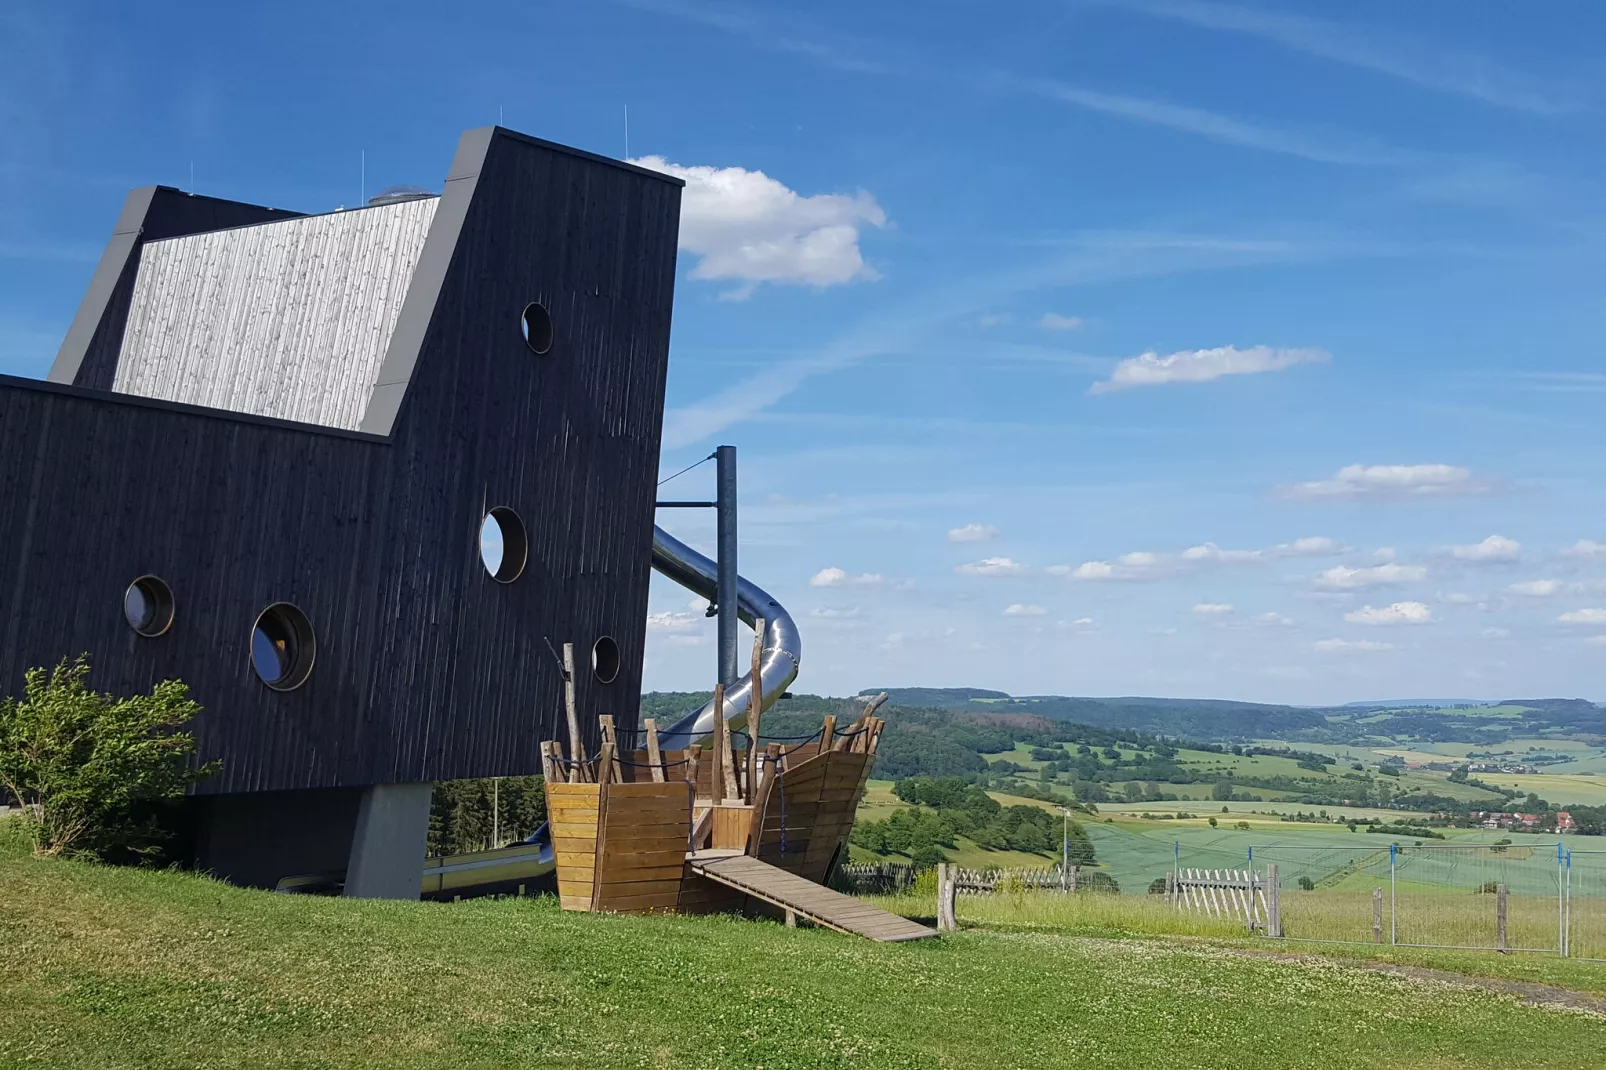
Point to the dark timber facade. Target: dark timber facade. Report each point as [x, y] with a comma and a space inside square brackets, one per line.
[367, 516]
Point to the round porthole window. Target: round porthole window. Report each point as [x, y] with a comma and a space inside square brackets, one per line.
[148, 606]
[282, 647]
[605, 659]
[537, 325]
[503, 546]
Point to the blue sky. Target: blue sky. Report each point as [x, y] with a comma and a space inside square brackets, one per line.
[1163, 347]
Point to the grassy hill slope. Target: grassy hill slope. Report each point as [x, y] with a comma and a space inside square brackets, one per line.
[112, 968]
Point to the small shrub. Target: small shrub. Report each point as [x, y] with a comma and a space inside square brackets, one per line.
[1157, 886]
[1306, 884]
[100, 771]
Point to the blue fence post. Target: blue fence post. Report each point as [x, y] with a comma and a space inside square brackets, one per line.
[1394, 852]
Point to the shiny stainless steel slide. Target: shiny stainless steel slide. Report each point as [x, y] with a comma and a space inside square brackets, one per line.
[782, 647]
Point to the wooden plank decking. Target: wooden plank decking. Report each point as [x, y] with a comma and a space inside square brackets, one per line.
[815, 902]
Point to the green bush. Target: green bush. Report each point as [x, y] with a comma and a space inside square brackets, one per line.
[99, 773]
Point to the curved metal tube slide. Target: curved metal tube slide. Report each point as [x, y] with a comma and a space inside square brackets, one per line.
[782, 647]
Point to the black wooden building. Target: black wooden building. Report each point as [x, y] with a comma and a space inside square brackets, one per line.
[267, 448]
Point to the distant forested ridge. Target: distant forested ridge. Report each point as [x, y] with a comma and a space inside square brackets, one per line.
[1209, 719]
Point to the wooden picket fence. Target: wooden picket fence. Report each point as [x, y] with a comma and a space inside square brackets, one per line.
[1230, 893]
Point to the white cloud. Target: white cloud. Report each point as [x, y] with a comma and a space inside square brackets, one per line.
[1139, 565]
[836, 577]
[1598, 640]
[1273, 619]
[1397, 613]
[973, 533]
[1019, 610]
[1344, 578]
[1461, 598]
[1584, 616]
[677, 623]
[1083, 622]
[1586, 548]
[1391, 481]
[994, 319]
[1385, 553]
[1311, 546]
[1053, 321]
[894, 640]
[991, 566]
[1202, 365]
[746, 226]
[1213, 609]
[1348, 645]
[1537, 588]
[829, 613]
[1494, 548]
[1211, 552]
[1498, 633]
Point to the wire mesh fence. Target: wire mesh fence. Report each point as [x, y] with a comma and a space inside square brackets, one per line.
[1497, 897]
[1585, 882]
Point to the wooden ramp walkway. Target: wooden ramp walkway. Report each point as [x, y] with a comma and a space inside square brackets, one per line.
[815, 902]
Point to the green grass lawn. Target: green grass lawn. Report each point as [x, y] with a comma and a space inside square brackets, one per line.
[111, 968]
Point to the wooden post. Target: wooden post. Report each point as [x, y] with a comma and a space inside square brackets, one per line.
[755, 708]
[605, 764]
[946, 892]
[791, 919]
[550, 768]
[721, 755]
[1377, 915]
[655, 757]
[727, 757]
[1075, 872]
[612, 740]
[693, 753]
[827, 733]
[1274, 906]
[1500, 917]
[1171, 887]
[577, 750]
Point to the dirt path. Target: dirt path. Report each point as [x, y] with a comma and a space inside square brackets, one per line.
[1527, 991]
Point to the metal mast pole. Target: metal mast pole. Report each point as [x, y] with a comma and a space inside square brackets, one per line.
[725, 465]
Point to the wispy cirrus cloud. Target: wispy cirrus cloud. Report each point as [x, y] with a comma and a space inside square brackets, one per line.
[992, 567]
[1202, 365]
[1430, 65]
[1392, 481]
[1345, 578]
[1397, 613]
[1349, 646]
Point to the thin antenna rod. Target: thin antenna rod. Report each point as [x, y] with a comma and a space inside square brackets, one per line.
[362, 189]
[499, 115]
[627, 131]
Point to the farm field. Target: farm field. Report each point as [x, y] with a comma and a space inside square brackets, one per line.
[123, 968]
[1211, 767]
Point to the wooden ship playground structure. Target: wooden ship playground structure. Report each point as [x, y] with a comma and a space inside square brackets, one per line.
[715, 827]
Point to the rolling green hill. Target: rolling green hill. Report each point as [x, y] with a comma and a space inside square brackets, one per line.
[112, 968]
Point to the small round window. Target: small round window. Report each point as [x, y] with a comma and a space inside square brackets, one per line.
[605, 659]
[503, 547]
[537, 326]
[282, 647]
[148, 605]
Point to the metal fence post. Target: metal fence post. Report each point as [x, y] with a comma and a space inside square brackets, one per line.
[1394, 901]
[1562, 890]
[1566, 904]
[1377, 915]
[1274, 909]
[1501, 901]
